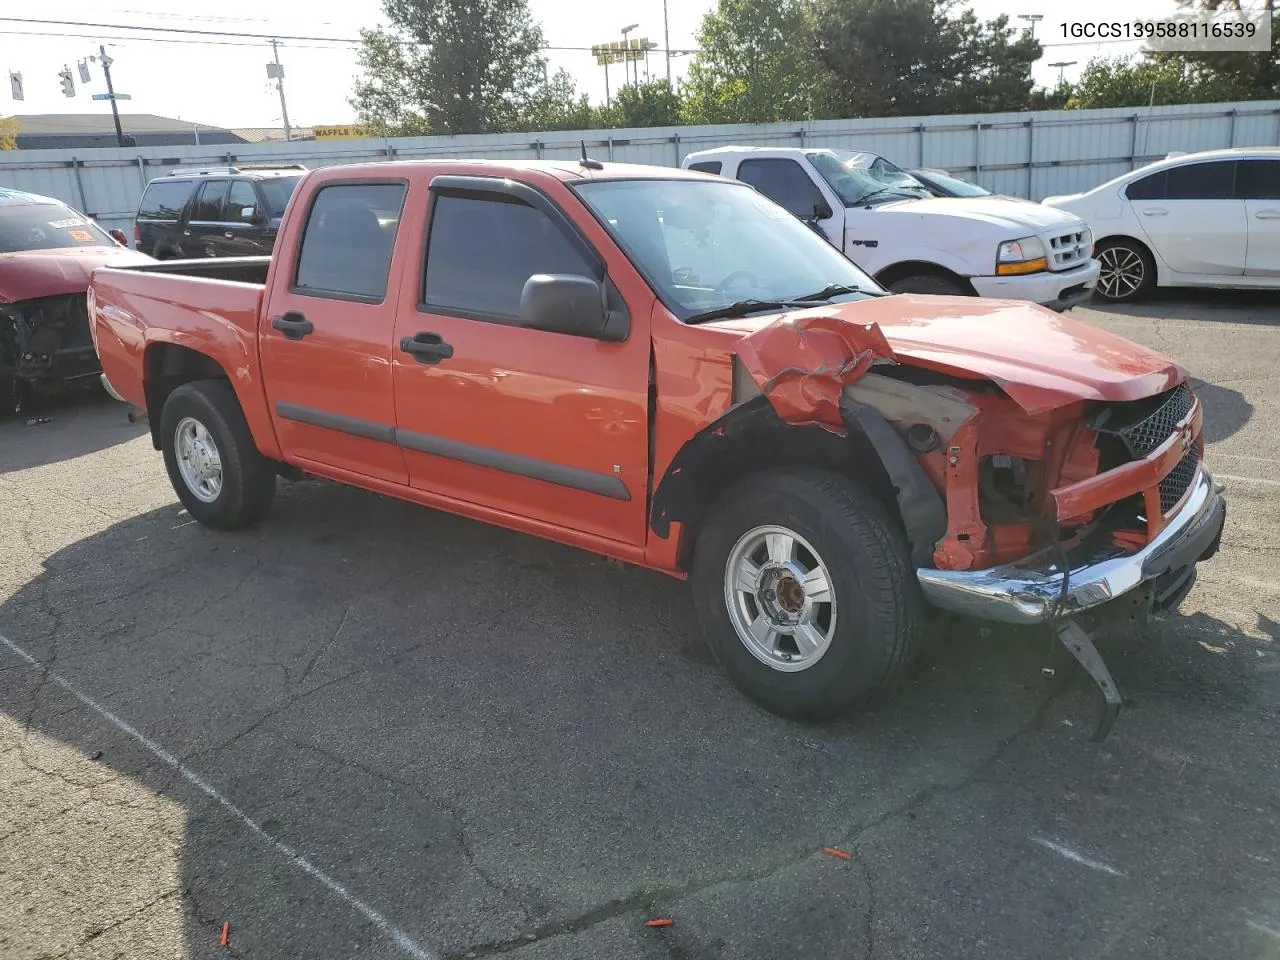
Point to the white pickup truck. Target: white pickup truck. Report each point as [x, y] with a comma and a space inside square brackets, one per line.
[911, 242]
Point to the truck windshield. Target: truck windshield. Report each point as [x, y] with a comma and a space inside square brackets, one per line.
[857, 185]
[48, 226]
[706, 246]
[277, 191]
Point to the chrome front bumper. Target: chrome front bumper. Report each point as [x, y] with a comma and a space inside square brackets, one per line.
[1026, 592]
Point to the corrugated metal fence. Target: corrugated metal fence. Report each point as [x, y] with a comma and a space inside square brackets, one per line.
[1029, 155]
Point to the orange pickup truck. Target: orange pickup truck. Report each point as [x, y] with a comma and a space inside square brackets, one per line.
[666, 368]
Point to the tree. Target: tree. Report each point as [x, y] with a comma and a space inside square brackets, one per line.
[1233, 75]
[652, 104]
[9, 129]
[905, 57]
[452, 66]
[754, 64]
[1139, 81]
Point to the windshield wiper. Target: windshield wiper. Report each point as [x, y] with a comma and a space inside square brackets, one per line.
[741, 308]
[875, 193]
[836, 290]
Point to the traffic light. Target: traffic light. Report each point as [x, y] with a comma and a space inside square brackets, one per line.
[68, 84]
[84, 71]
[15, 84]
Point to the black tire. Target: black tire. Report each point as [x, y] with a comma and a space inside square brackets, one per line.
[1119, 258]
[930, 283]
[877, 601]
[248, 479]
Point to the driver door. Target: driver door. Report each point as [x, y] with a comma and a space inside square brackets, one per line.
[788, 184]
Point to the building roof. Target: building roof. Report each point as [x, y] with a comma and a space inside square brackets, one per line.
[271, 134]
[73, 124]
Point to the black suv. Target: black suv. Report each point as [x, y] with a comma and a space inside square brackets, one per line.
[214, 211]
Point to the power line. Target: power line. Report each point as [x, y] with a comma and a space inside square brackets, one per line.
[231, 33]
[202, 43]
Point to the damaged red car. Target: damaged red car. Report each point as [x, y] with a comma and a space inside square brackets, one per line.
[47, 252]
[666, 368]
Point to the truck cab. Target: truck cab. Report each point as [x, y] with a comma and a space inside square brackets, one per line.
[911, 241]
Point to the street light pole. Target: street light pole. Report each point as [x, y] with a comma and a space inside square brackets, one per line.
[1062, 69]
[626, 54]
[666, 40]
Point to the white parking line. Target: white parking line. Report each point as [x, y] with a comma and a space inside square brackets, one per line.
[1063, 850]
[389, 929]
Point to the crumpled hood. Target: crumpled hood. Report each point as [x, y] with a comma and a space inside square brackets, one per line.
[28, 274]
[1003, 213]
[1041, 359]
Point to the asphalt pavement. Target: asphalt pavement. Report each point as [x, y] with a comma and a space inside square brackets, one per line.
[366, 729]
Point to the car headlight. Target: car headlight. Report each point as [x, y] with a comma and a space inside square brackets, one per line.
[1021, 256]
[1087, 241]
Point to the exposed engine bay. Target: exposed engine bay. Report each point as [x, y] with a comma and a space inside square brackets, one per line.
[45, 346]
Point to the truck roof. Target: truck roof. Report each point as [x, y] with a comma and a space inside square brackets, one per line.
[569, 171]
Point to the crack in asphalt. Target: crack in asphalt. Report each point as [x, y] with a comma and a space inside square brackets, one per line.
[669, 896]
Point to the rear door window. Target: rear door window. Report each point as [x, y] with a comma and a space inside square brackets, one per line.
[165, 200]
[240, 198]
[208, 205]
[350, 236]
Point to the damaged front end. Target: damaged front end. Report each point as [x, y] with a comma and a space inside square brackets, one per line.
[1016, 512]
[45, 344]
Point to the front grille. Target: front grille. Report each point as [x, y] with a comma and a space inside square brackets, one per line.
[1068, 250]
[1174, 486]
[1143, 425]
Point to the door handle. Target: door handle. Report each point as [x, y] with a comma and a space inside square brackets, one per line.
[293, 325]
[426, 347]
[186, 233]
[1267, 215]
[1155, 212]
[229, 235]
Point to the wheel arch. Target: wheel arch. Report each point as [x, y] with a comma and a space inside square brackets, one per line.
[907, 268]
[729, 449]
[167, 366]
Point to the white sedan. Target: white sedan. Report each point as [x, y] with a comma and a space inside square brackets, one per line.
[1209, 219]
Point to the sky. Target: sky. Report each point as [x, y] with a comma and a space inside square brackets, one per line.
[222, 81]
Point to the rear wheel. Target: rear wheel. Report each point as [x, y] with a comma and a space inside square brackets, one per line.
[805, 594]
[1127, 271]
[217, 472]
[930, 283]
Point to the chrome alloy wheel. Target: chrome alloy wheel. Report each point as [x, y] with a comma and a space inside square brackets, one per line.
[198, 459]
[780, 600]
[1122, 272]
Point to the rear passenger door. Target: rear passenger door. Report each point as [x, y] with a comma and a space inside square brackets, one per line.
[326, 339]
[1258, 185]
[200, 233]
[243, 223]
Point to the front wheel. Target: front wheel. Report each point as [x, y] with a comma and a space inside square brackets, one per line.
[805, 594]
[213, 464]
[1126, 271]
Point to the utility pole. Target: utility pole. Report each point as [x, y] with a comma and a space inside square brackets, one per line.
[666, 40]
[1033, 19]
[276, 71]
[111, 91]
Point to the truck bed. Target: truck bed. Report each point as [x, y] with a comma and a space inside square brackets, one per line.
[208, 306]
[237, 269]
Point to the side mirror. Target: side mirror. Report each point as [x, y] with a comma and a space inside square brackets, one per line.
[563, 303]
[118, 236]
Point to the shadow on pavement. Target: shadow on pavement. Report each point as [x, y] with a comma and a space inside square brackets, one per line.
[492, 740]
[1222, 306]
[1226, 411]
[64, 428]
